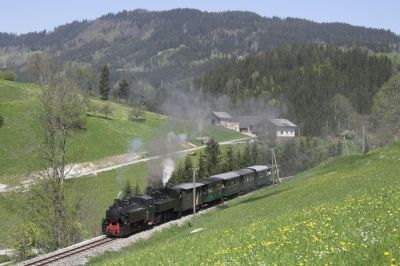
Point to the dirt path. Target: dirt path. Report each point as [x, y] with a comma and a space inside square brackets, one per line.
[110, 163]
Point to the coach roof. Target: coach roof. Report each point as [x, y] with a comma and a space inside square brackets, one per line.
[259, 168]
[227, 176]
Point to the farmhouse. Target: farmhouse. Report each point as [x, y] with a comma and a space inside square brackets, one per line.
[223, 119]
[283, 128]
[259, 125]
[250, 124]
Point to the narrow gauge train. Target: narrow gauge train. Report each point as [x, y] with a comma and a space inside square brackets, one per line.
[135, 213]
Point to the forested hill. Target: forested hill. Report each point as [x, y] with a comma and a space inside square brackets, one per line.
[233, 29]
[173, 45]
[314, 85]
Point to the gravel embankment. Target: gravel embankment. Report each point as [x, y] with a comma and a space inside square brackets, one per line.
[82, 258]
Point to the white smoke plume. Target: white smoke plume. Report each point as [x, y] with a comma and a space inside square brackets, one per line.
[133, 147]
[160, 170]
[168, 168]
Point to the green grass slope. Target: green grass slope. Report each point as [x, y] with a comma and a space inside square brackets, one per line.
[97, 193]
[20, 134]
[344, 212]
[103, 137]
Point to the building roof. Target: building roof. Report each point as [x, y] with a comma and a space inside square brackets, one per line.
[259, 168]
[280, 122]
[246, 121]
[187, 186]
[250, 120]
[227, 176]
[222, 115]
[245, 171]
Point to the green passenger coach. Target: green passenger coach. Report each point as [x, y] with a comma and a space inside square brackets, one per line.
[212, 189]
[247, 179]
[263, 174]
[231, 183]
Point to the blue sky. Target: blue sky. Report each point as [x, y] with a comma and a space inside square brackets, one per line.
[21, 16]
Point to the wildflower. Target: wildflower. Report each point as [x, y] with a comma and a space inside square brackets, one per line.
[386, 253]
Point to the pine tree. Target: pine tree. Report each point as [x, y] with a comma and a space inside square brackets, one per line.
[201, 166]
[104, 86]
[128, 190]
[213, 156]
[229, 160]
[136, 189]
[238, 160]
[254, 154]
[123, 89]
[188, 169]
[246, 160]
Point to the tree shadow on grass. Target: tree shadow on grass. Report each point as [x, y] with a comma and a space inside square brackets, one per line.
[99, 116]
[267, 195]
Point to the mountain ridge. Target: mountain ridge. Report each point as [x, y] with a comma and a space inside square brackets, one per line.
[175, 45]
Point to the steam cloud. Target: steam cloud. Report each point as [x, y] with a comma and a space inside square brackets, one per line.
[133, 147]
[168, 168]
[160, 170]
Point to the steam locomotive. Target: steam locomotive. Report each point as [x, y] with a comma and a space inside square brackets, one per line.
[139, 212]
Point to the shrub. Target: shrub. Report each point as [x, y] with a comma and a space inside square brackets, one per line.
[8, 75]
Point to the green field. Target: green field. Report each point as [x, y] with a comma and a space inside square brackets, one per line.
[346, 211]
[19, 137]
[97, 191]
[20, 134]
[103, 137]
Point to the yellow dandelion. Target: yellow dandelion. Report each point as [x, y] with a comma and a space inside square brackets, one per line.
[386, 253]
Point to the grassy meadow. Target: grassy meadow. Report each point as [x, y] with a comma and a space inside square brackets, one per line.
[20, 134]
[102, 137]
[344, 212]
[97, 193]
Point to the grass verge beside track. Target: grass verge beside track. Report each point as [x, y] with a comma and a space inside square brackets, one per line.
[344, 212]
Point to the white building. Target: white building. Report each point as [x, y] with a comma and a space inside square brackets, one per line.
[284, 128]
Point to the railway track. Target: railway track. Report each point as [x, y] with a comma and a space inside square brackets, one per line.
[67, 253]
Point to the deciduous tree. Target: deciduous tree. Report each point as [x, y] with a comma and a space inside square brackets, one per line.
[54, 210]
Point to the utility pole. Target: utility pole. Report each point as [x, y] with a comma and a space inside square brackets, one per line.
[274, 167]
[194, 191]
[326, 129]
[363, 137]
[345, 145]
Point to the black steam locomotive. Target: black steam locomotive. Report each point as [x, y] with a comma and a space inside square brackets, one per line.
[136, 213]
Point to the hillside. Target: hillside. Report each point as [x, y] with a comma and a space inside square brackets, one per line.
[102, 137]
[309, 84]
[343, 212]
[174, 45]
